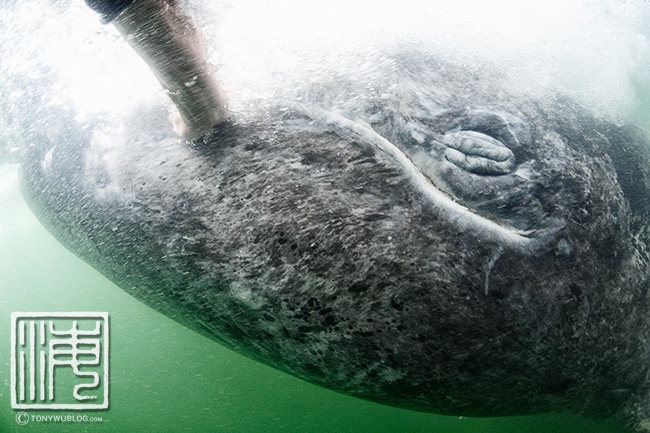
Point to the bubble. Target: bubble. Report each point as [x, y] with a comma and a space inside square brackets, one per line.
[58, 53]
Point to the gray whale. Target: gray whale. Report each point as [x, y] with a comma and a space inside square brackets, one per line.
[428, 239]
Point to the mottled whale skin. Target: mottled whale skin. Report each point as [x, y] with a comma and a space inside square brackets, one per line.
[424, 237]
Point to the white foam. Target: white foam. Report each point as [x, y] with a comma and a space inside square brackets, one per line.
[596, 51]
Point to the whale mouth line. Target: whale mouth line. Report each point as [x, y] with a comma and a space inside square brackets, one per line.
[455, 213]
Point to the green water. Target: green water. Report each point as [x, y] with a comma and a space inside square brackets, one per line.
[165, 378]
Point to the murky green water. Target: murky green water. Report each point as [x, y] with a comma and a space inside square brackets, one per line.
[165, 378]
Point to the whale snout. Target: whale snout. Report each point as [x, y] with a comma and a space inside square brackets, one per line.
[428, 249]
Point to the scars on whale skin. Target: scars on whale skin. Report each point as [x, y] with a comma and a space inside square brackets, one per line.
[431, 243]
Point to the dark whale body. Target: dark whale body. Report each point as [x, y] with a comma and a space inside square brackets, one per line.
[427, 239]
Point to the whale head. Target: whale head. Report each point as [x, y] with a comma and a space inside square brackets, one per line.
[425, 237]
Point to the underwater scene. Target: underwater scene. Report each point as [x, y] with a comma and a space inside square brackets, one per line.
[426, 218]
